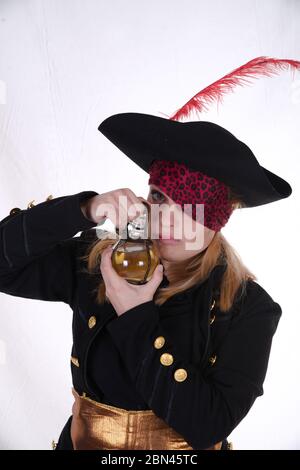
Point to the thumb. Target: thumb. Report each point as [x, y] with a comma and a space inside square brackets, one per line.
[157, 276]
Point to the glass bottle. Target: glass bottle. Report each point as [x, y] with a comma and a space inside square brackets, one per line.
[135, 256]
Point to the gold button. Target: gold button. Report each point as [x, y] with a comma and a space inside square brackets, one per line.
[180, 375]
[92, 321]
[212, 319]
[49, 197]
[15, 210]
[159, 342]
[213, 359]
[75, 361]
[30, 205]
[166, 359]
[53, 444]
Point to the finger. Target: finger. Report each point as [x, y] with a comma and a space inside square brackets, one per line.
[127, 211]
[108, 272]
[156, 277]
[135, 208]
[144, 201]
[137, 203]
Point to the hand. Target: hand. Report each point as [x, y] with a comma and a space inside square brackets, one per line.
[123, 295]
[114, 207]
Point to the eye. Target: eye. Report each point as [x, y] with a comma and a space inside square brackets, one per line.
[156, 195]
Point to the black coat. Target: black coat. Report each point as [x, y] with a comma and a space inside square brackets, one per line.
[219, 359]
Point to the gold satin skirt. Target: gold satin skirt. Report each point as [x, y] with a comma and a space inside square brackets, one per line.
[98, 426]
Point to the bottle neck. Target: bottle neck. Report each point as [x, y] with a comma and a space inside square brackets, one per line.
[137, 229]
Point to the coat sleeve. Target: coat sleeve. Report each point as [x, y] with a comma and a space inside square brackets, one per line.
[204, 409]
[38, 251]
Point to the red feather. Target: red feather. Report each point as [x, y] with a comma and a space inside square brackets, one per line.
[253, 69]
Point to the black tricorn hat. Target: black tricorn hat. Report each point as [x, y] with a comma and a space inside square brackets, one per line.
[201, 145]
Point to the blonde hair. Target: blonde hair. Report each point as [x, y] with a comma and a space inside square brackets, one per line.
[196, 268]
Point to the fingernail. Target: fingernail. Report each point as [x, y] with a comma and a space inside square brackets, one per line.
[160, 267]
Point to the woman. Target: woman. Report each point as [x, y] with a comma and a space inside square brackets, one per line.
[176, 363]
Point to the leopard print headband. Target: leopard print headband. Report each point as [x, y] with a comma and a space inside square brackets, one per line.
[185, 186]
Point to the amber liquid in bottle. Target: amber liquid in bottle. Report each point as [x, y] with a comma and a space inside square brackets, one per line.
[135, 259]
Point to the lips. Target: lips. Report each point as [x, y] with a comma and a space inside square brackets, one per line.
[166, 238]
[159, 235]
[170, 238]
[168, 235]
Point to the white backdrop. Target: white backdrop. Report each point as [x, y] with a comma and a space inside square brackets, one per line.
[65, 65]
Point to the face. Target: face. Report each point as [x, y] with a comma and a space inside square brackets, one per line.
[179, 236]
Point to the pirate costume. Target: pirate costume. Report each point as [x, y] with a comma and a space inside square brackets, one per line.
[177, 376]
